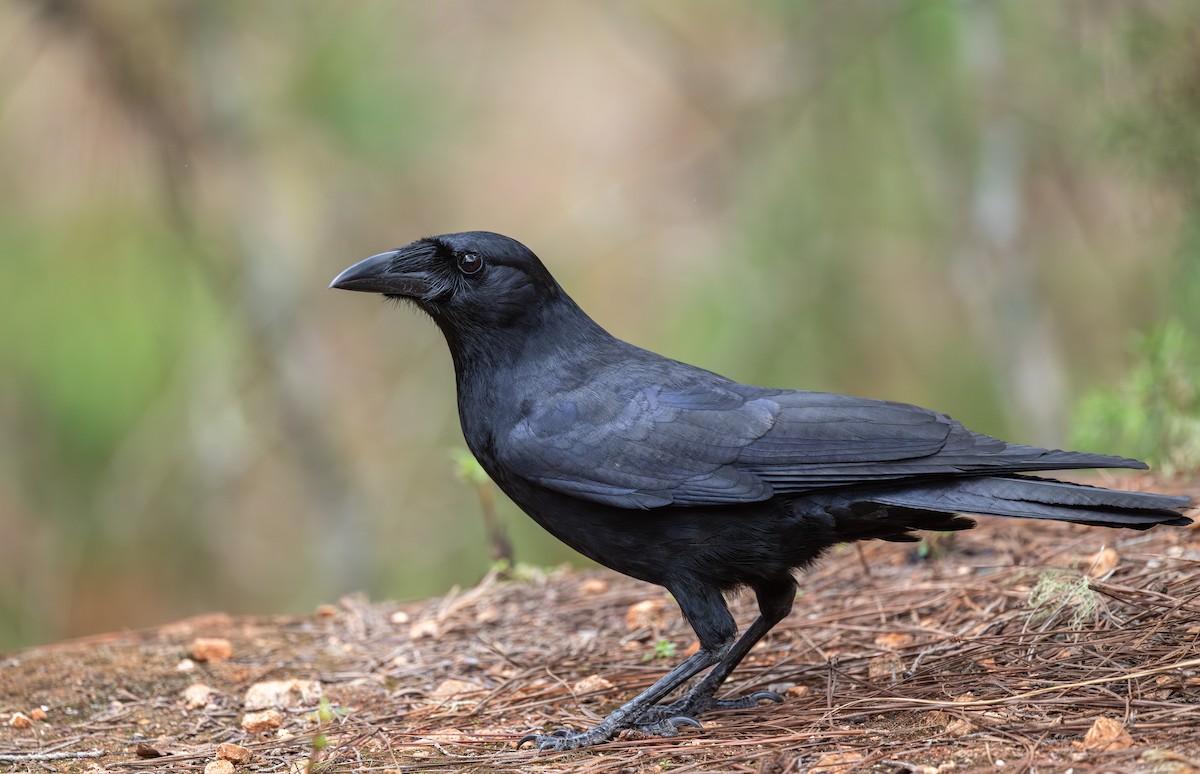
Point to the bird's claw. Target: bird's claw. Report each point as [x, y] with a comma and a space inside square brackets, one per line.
[666, 726]
[742, 702]
[749, 701]
[544, 741]
[690, 706]
[563, 739]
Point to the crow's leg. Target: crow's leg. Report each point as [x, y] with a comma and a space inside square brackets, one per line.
[774, 603]
[706, 611]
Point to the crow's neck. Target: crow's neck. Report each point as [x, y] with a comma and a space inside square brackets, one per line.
[556, 331]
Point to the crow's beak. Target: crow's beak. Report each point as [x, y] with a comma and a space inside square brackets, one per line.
[383, 273]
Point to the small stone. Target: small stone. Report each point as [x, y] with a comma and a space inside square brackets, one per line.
[326, 611]
[958, 727]
[282, 694]
[797, 691]
[218, 767]
[185, 665]
[501, 671]
[443, 736]
[955, 726]
[422, 629]
[234, 753]
[591, 684]
[257, 722]
[1107, 734]
[885, 668]
[837, 762]
[487, 615]
[1166, 686]
[20, 720]
[893, 640]
[647, 614]
[197, 695]
[458, 690]
[38, 713]
[211, 649]
[1102, 562]
[593, 586]
[399, 617]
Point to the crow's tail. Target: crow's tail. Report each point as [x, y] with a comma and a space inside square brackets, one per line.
[1028, 497]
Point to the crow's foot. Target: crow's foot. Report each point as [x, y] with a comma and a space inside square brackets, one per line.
[692, 705]
[666, 725]
[566, 739]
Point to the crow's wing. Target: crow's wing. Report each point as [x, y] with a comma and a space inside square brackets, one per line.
[712, 441]
[642, 447]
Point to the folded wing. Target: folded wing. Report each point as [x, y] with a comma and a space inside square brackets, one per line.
[710, 441]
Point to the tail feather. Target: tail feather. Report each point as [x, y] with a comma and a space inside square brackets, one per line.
[1059, 459]
[1029, 497]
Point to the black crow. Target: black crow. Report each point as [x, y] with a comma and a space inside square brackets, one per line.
[680, 477]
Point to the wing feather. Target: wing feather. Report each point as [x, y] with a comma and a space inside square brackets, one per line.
[711, 441]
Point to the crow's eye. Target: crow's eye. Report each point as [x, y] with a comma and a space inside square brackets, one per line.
[469, 263]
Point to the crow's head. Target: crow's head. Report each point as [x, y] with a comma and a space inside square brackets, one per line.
[475, 279]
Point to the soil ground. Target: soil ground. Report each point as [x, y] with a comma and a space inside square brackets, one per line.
[995, 650]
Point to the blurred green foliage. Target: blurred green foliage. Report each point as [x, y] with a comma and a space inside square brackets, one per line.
[968, 205]
[1154, 413]
[662, 649]
[467, 469]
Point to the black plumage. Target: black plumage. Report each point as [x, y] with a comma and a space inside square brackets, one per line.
[681, 477]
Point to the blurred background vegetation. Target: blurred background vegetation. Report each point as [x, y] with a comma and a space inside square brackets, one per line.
[988, 208]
